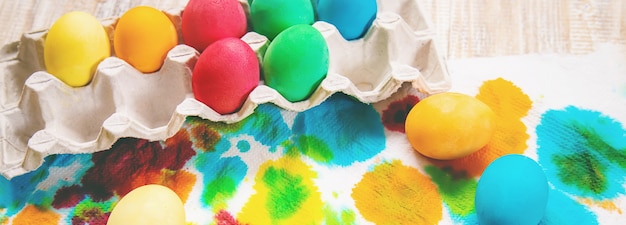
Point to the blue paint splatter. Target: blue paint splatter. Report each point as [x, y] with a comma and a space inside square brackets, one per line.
[561, 209]
[221, 175]
[267, 126]
[472, 218]
[243, 146]
[339, 121]
[583, 152]
[15, 193]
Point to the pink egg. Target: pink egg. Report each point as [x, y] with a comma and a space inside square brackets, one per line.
[207, 21]
[225, 74]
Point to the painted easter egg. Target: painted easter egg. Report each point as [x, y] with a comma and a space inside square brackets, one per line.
[74, 46]
[449, 125]
[143, 36]
[225, 74]
[207, 21]
[351, 17]
[296, 62]
[512, 190]
[270, 17]
[149, 204]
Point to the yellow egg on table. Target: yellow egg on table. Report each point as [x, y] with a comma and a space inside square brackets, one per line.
[74, 46]
[143, 36]
[449, 125]
[149, 204]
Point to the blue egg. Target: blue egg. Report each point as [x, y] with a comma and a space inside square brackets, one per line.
[512, 190]
[351, 17]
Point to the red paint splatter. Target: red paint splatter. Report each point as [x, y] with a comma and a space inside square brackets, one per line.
[225, 218]
[129, 159]
[205, 137]
[67, 197]
[395, 115]
[176, 153]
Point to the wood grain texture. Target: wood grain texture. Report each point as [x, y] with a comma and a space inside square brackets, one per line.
[475, 28]
[468, 28]
[19, 16]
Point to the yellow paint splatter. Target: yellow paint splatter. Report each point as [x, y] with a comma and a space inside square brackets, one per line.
[605, 204]
[285, 194]
[510, 104]
[33, 215]
[396, 194]
[339, 217]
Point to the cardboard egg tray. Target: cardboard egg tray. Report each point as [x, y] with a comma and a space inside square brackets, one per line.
[40, 115]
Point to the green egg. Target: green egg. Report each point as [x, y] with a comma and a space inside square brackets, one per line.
[296, 62]
[270, 17]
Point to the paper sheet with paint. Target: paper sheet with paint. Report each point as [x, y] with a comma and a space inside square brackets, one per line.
[345, 162]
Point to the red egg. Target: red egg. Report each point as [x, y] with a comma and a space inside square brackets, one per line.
[207, 21]
[225, 74]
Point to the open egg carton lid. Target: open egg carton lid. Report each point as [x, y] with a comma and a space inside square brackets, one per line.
[40, 115]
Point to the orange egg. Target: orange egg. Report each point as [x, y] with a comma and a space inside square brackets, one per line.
[449, 125]
[143, 36]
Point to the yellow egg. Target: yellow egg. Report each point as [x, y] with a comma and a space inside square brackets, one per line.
[149, 204]
[74, 46]
[143, 36]
[449, 125]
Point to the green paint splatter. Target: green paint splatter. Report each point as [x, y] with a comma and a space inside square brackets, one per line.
[219, 191]
[219, 126]
[582, 170]
[221, 176]
[596, 142]
[583, 152]
[348, 217]
[315, 148]
[44, 199]
[333, 217]
[291, 150]
[287, 192]
[456, 190]
[87, 211]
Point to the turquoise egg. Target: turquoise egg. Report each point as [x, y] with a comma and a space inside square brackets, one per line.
[353, 18]
[512, 190]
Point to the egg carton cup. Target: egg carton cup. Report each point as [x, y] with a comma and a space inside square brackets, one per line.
[40, 115]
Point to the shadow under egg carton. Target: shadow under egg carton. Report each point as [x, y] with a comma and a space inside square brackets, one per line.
[41, 116]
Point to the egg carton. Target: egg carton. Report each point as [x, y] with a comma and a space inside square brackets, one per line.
[41, 116]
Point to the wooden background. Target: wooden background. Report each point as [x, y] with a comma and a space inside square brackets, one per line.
[465, 28]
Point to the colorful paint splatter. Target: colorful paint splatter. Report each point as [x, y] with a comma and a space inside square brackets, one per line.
[342, 162]
[583, 152]
[396, 194]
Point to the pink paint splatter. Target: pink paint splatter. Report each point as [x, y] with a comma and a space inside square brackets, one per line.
[225, 218]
